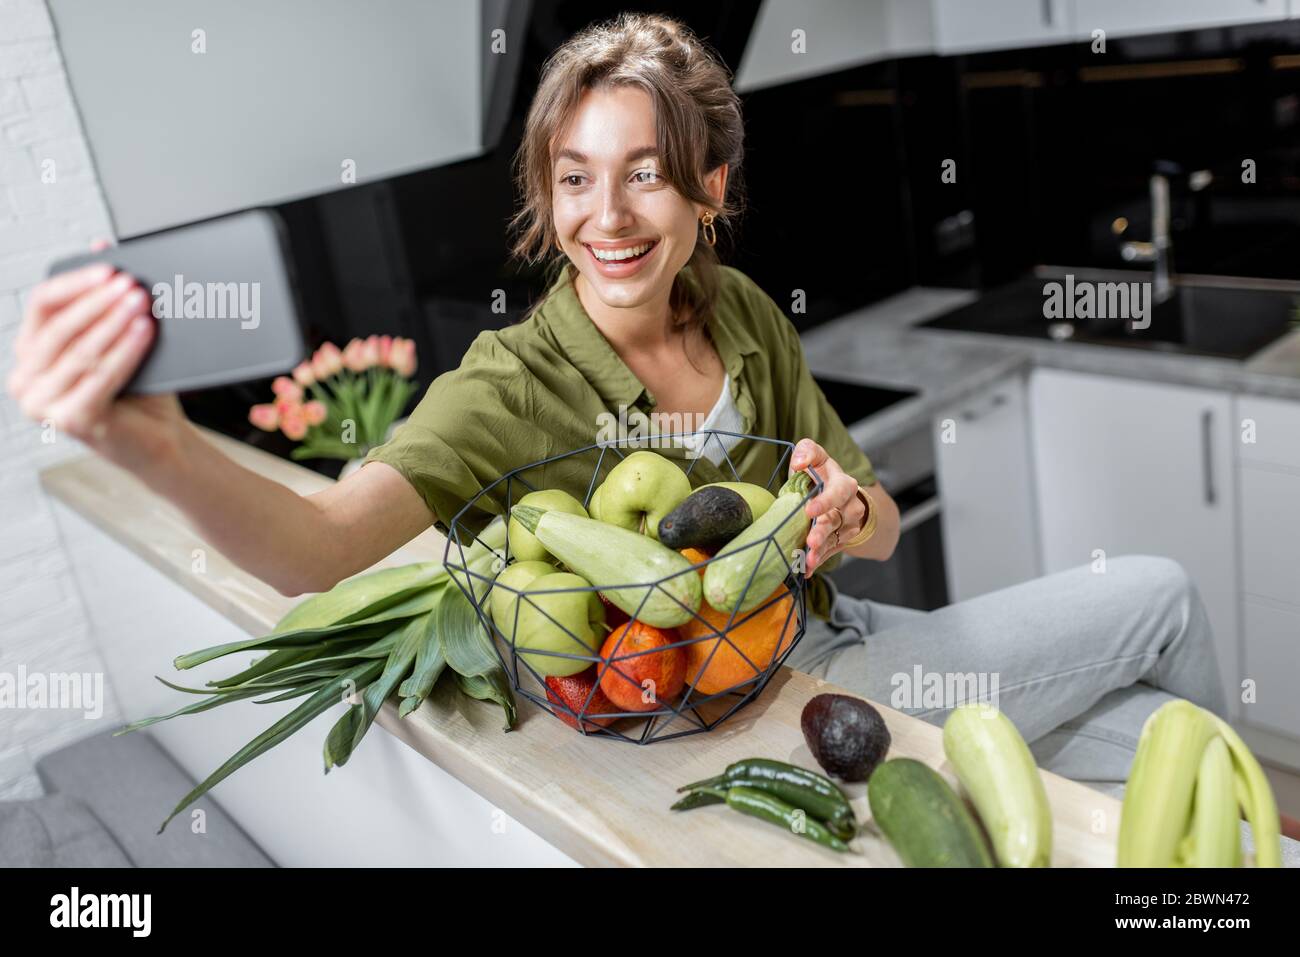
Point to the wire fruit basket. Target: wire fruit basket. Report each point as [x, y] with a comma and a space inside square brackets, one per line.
[729, 657]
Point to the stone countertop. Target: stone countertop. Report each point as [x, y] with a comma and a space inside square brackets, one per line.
[879, 345]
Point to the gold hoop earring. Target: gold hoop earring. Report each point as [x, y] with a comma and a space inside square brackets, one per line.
[710, 234]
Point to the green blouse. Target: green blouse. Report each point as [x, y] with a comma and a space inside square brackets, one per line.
[547, 385]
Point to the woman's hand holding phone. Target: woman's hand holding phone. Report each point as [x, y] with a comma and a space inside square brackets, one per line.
[83, 335]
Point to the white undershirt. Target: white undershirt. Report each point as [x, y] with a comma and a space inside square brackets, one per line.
[725, 416]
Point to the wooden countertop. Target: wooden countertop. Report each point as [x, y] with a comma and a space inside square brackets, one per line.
[600, 801]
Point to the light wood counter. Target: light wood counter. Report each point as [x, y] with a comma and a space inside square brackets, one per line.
[600, 801]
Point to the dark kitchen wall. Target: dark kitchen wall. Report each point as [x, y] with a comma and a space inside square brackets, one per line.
[1051, 146]
[1061, 142]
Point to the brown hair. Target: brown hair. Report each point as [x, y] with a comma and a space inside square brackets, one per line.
[697, 124]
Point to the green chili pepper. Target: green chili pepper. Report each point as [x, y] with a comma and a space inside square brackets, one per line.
[697, 799]
[772, 809]
[816, 795]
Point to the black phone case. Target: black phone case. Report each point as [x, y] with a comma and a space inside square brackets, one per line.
[224, 297]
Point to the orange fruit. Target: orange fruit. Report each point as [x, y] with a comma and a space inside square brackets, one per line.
[575, 692]
[661, 671]
[761, 635]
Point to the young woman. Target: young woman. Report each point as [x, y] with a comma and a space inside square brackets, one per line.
[628, 167]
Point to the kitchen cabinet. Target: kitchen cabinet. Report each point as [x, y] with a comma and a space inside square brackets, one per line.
[832, 35]
[982, 465]
[1130, 468]
[1271, 653]
[961, 26]
[1125, 18]
[1268, 462]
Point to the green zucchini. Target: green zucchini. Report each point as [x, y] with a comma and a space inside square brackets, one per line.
[604, 553]
[996, 769]
[923, 817]
[787, 523]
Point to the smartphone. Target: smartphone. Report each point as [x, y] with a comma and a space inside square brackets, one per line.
[224, 297]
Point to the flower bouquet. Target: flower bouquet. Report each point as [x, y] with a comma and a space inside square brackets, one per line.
[341, 403]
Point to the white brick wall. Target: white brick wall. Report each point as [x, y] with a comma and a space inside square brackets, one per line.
[43, 624]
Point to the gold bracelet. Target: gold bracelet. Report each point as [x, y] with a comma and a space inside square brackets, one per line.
[868, 524]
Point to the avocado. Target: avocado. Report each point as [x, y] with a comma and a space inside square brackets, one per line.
[759, 498]
[707, 519]
[846, 735]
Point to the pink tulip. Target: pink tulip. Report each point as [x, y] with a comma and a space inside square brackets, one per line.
[265, 416]
[331, 358]
[385, 350]
[294, 424]
[402, 357]
[354, 356]
[303, 374]
[320, 365]
[286, 388]
[286, 404]
[314, 412]
[371, 351]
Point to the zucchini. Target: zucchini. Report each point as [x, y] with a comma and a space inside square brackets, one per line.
[923, 817]
[601, 552]
[786, 522]
[996, 769]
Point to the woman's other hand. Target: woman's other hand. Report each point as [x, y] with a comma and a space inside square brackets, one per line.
[837, 512]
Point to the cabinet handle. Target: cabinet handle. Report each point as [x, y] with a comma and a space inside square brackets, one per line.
[919, 513]
[1047, 12]
[1207, 456]
[971, 413]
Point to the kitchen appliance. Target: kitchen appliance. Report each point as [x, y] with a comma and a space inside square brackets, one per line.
[915, 575]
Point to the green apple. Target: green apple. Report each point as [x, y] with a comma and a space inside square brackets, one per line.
[641, 490]
[519, 575]
[523, 546]
[756, 497]
[593, 507]
[546, 614]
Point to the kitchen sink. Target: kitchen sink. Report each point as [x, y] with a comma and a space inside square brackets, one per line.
[854, 402]
[1205, 315]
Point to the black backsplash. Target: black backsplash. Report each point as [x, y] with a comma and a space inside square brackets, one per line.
[843, 176]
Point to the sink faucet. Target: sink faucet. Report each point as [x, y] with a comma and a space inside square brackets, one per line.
[1159, 251]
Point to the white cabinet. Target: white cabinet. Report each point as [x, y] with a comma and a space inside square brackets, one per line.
[793, 41]
[1269, 478]
[1271, 660]
[1124, 17]
[982, 465]
[1137, 468]
[961, 26]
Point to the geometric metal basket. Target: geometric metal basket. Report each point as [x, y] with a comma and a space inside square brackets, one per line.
[692, 711]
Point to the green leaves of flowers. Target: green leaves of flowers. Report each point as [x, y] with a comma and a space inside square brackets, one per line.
[370, 400]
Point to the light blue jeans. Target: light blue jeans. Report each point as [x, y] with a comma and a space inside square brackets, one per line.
[1077, 659]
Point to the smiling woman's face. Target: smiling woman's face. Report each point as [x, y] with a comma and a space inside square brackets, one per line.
[628, 231]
